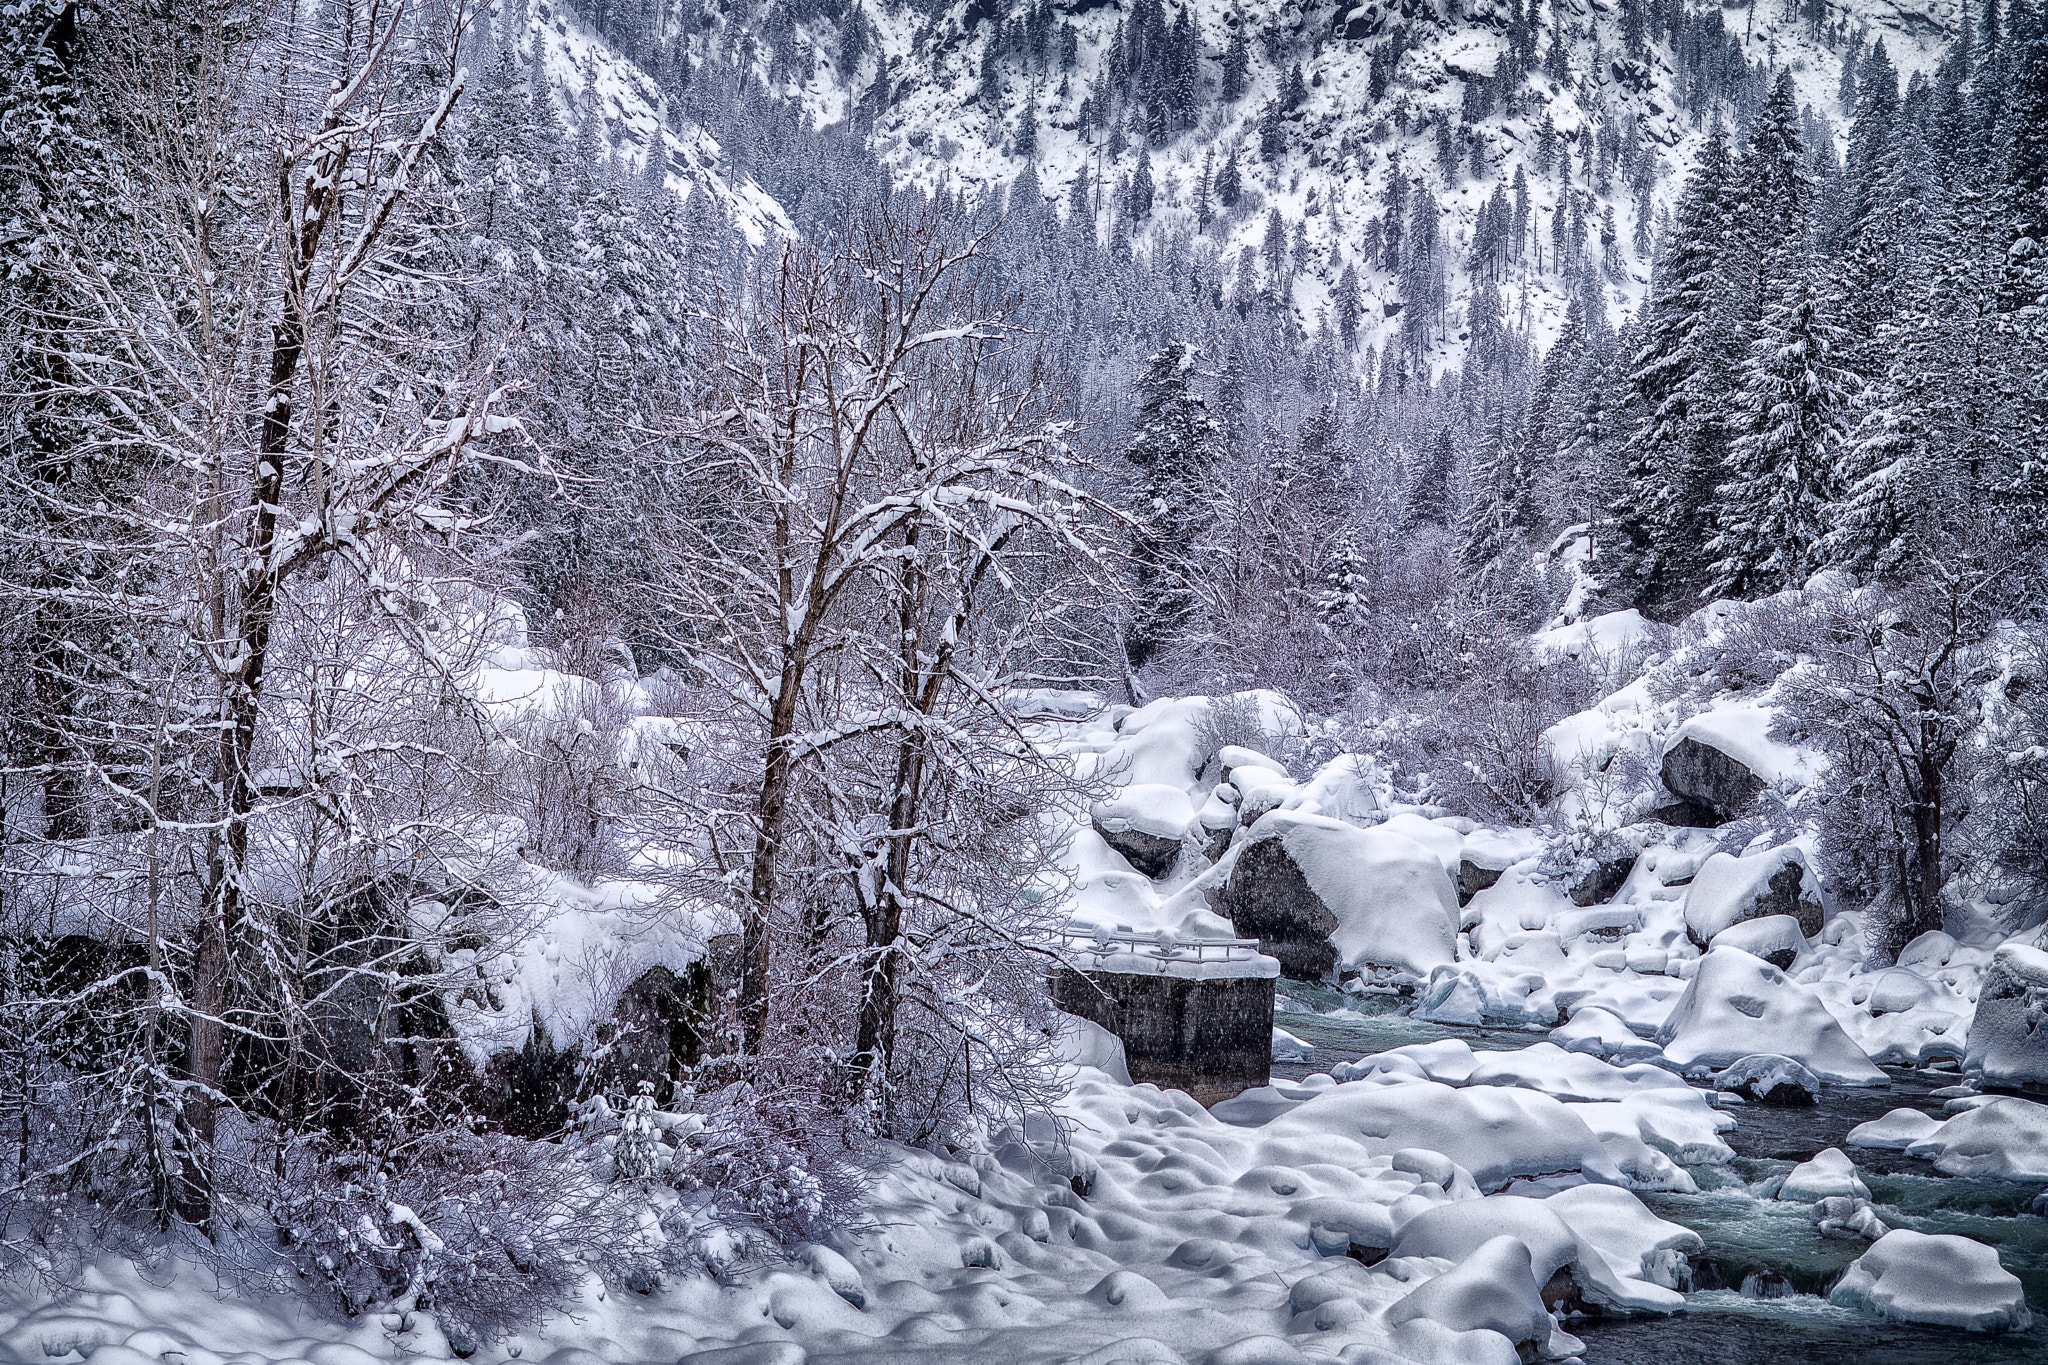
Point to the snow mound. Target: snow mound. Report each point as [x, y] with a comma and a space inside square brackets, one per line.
[1777, 939]
[1830, 1174]
[1496, 1134]
[1736, 1006]
[1939, 1279]
[1895, 1132]
[2002, 1139]
[1494, 1289]
[1602, 1033]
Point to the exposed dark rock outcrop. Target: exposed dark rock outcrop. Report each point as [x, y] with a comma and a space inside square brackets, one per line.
[1269, 899]
[1715, 785]
[1474, 877]
[1151, 855]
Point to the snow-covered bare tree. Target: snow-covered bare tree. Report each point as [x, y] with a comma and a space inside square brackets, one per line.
[257, 428]
[881, 529]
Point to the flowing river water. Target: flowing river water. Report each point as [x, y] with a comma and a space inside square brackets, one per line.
[1760, 1283]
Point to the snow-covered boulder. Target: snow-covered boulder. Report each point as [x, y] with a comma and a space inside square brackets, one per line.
[1896, 990]
[1493, 1289]
[1895, 1132]
[1601, 1033]
[1848, 1218]
[1455, 1230]
[1636, 1242]
[1737, 1005]
[1770, 1079]
[2001, 1139]
[1940, 1279]
[1720, 760]
[1319, 894]
[2009, 1035]
[1829, 1175]
[1777, 939]
[1145, 823]
[1728, 890]
[1932, 949]
[1481, 862]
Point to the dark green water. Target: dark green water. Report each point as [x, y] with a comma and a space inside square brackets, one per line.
[1760, 1282]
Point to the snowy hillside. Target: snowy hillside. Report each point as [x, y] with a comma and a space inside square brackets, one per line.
[586, 75]
[1434, 97]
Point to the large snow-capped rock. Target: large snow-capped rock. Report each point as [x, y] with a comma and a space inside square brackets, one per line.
[1145, 823]
[1321, 894]
[1737, 1005]
[1940, 1279]
[2009, 1035]
[1728, 890]
[1720, 760]
[2002, 1139]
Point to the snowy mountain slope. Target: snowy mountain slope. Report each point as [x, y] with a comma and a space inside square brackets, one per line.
[962, 100]
[586, 74]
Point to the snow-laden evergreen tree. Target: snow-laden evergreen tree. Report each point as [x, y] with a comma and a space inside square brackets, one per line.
[1766, 207]
[1796, 396]
[1174, 450]
[1685, 373]
[1500, 512]
[1428, 501]
[1343, 604]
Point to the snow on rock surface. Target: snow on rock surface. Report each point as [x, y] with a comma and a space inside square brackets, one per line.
[1601, 1033]
[2003, 1138]
[1770, 1079]
[2009, 1035]
[1492, 1289]
[1145, 823]
[1379, 900]
[1828, 1175]
[1895, 1132]
[1940, 1279]
[1728, 890]
[1777, 939]
[1737, 1005]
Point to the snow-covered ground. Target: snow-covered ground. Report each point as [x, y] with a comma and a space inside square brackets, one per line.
[1428, 1203]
